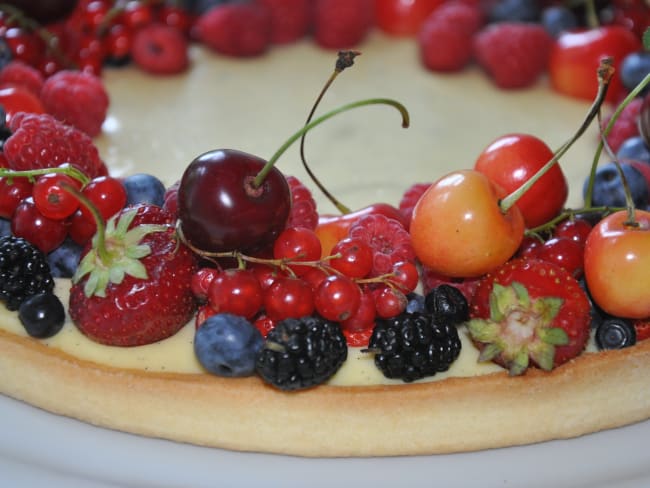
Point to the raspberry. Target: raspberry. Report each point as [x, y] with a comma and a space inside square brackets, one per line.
[76, 98]
[445, 39]
[290, 19]
[432, 280]
[41, 141]
[410, 198]
[303, 206]
[237, 29]
[625, 126]
[388, 239]
[21, 74]
[513, 54]
[160, 49]
[341, 24]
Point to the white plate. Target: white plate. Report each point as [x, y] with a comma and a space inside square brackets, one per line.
[41, 449]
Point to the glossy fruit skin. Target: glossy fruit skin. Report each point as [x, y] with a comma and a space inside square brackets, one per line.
[576, 55]
[403, 17]
[42, 315]
[219, 211]
[513, 159]
[617, 260]
[458, 229]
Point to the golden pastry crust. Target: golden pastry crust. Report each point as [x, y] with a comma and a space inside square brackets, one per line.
[594, 392]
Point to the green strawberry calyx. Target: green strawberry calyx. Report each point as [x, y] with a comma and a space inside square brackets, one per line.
[115, 253]
[519, 329]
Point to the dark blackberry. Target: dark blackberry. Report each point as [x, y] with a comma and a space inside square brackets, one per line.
[413, 346]
[447, 304]
[300, 353]
[24, 271]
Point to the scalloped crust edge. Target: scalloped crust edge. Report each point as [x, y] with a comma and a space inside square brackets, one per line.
[591, 393]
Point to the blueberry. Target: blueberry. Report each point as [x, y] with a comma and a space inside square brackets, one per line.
[634, 148]
[608, 187]
[415, 303]
[515, 11]
[558, 19]
[42, 315]
[615, 333]
[634, 68]
[5, 53]
[64, 259]
[144, 188]
[227, 345]
[5, 227]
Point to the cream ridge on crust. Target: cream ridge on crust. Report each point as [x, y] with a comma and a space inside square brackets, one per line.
[160, 125]
[596, 391]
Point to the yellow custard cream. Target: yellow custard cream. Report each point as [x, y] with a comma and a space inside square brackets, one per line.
[176, 354]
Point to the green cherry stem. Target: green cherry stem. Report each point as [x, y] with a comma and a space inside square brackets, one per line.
[259, 178]
[605, 72]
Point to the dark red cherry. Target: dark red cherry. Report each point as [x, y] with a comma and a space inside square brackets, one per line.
[44, 11]
[220, 209]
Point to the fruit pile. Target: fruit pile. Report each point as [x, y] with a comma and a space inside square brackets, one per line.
[277, 289]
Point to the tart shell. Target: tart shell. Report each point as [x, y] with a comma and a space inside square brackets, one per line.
[594, 392]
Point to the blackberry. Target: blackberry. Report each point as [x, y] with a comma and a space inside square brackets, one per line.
[300, 353]
[24, 271]
[413, 346]
[447, 304]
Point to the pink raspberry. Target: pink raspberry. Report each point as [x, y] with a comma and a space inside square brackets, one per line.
[21, 74]
[236, 29]
[303, 206]
[410, 198]
[446, 36]
[160, 49]
[514, 54]
[290, 19]
[626, 125]
[41, 141]
[340, 24]
[388, 239]
[76, 98]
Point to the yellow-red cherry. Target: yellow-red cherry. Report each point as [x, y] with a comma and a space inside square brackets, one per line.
[616, 261]
[458, 228]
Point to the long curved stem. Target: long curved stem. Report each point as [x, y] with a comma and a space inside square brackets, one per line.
[259, 178]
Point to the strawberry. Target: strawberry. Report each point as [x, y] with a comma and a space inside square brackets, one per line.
[133, 285]
[529, 311]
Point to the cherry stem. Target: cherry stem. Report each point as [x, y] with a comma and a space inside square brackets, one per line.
[100, 234]
[605, 72]
[344, 60]
[602, 144]
[31, 174]
[259, 178]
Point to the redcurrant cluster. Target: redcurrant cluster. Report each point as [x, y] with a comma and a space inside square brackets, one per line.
[43, 212]
[95, 33]
[298, 281]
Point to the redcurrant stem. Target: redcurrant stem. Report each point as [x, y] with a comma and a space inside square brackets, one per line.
[569, 214]
[31, 174]
[259, 178]
[100, 234]
[605, 72]
[345, 60]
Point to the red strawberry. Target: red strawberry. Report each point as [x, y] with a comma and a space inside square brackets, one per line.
[76, 98]
[529, 312]
[340, 24]
[236, 29]
[642, 329]
[409, 198]
[625, 126]
[139, 291]
[303, 206]
[514, 54]
[290, 19]
[41, 141]
[445, 38]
